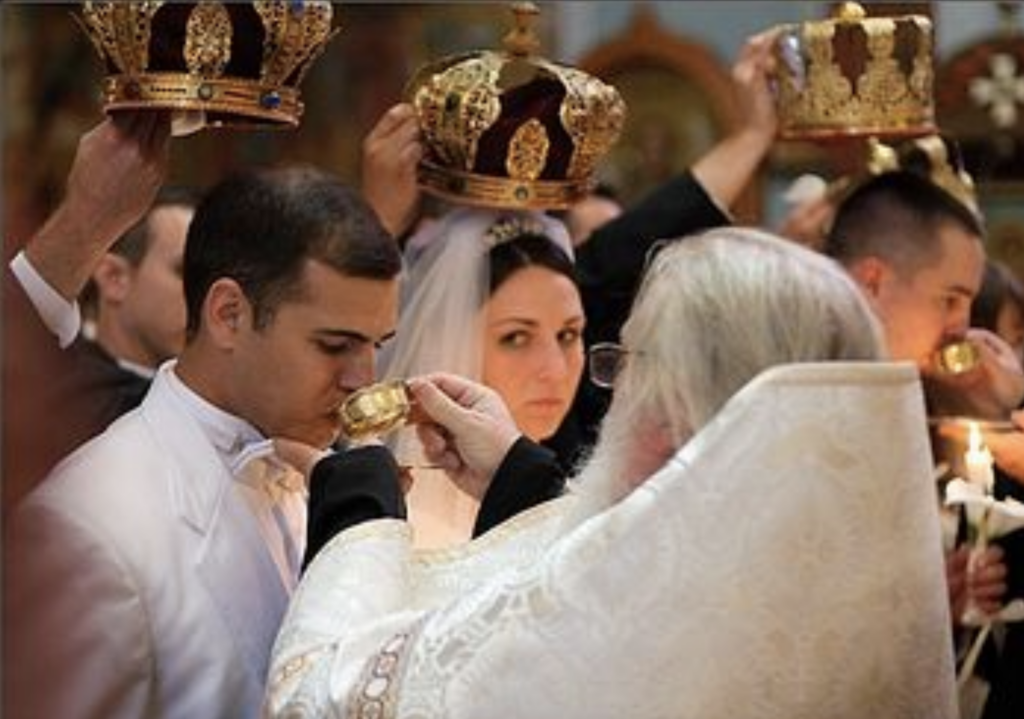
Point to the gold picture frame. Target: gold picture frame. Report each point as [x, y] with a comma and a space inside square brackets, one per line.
[680, 101]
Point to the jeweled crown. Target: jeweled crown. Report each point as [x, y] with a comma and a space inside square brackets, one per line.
[852, 76]
[512, 130]
[934, 157]
[215, 63]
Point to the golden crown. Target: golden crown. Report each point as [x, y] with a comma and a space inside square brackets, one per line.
[853, 76]
[509, 129]
[215, 63]
[933, 157]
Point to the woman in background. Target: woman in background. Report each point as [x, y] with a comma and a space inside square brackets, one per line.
[999, 306]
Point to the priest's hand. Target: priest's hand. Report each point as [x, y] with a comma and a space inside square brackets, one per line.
[466, 430]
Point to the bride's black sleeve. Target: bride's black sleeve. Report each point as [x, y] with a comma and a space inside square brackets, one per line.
[529, 474]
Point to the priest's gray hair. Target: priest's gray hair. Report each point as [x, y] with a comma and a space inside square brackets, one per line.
[713, 312]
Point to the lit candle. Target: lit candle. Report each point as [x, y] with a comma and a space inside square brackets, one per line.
[978, 461]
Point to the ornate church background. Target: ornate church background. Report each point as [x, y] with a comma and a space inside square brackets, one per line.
[671, 60]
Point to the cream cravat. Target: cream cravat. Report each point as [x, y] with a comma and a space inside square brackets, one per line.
[276, 494]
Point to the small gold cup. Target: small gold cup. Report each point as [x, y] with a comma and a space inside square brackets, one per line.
[375, 410]
[957, 357]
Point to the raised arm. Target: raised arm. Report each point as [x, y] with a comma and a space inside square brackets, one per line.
[391, 153]
[118, 168]
[728, 167]
[610, 264]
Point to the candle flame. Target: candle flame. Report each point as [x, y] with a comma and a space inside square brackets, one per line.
[978, 460]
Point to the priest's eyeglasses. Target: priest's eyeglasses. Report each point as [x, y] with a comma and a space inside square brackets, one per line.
[605, 361]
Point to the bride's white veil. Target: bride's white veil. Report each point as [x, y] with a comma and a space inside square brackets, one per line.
[443, 289]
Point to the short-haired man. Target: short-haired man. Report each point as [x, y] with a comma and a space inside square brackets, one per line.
[139, 297]
[917, 253]
[918, 256]
[160, 556]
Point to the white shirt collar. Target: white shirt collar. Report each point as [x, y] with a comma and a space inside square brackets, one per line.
[236, 440]
[136, 368]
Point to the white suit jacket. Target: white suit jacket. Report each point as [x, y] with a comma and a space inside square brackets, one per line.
[785, 564]
[143, 587]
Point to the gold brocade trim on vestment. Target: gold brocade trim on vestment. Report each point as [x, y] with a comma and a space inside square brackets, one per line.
[375, 695]
[388, 528]
[400, 529]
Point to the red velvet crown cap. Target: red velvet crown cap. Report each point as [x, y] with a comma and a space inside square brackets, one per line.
[509, 129]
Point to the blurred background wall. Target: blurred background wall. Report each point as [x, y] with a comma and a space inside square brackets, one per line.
[670, 59]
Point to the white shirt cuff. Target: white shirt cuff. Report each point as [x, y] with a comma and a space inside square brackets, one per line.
[62, 318]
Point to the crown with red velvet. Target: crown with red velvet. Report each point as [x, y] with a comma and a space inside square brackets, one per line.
[512, 130]
[215, 63]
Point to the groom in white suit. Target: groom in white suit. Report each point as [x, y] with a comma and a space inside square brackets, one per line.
[154, 564]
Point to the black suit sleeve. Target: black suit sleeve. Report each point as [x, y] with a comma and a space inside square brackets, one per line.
[33, 407]
[529, 475]
[81, 386]
[609, 265]
[349, 488]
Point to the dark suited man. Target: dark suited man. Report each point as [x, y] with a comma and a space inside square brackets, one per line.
[139, 319]
[118, 168]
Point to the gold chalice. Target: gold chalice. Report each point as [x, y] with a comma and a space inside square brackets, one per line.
[375, 410]
[957, 357]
